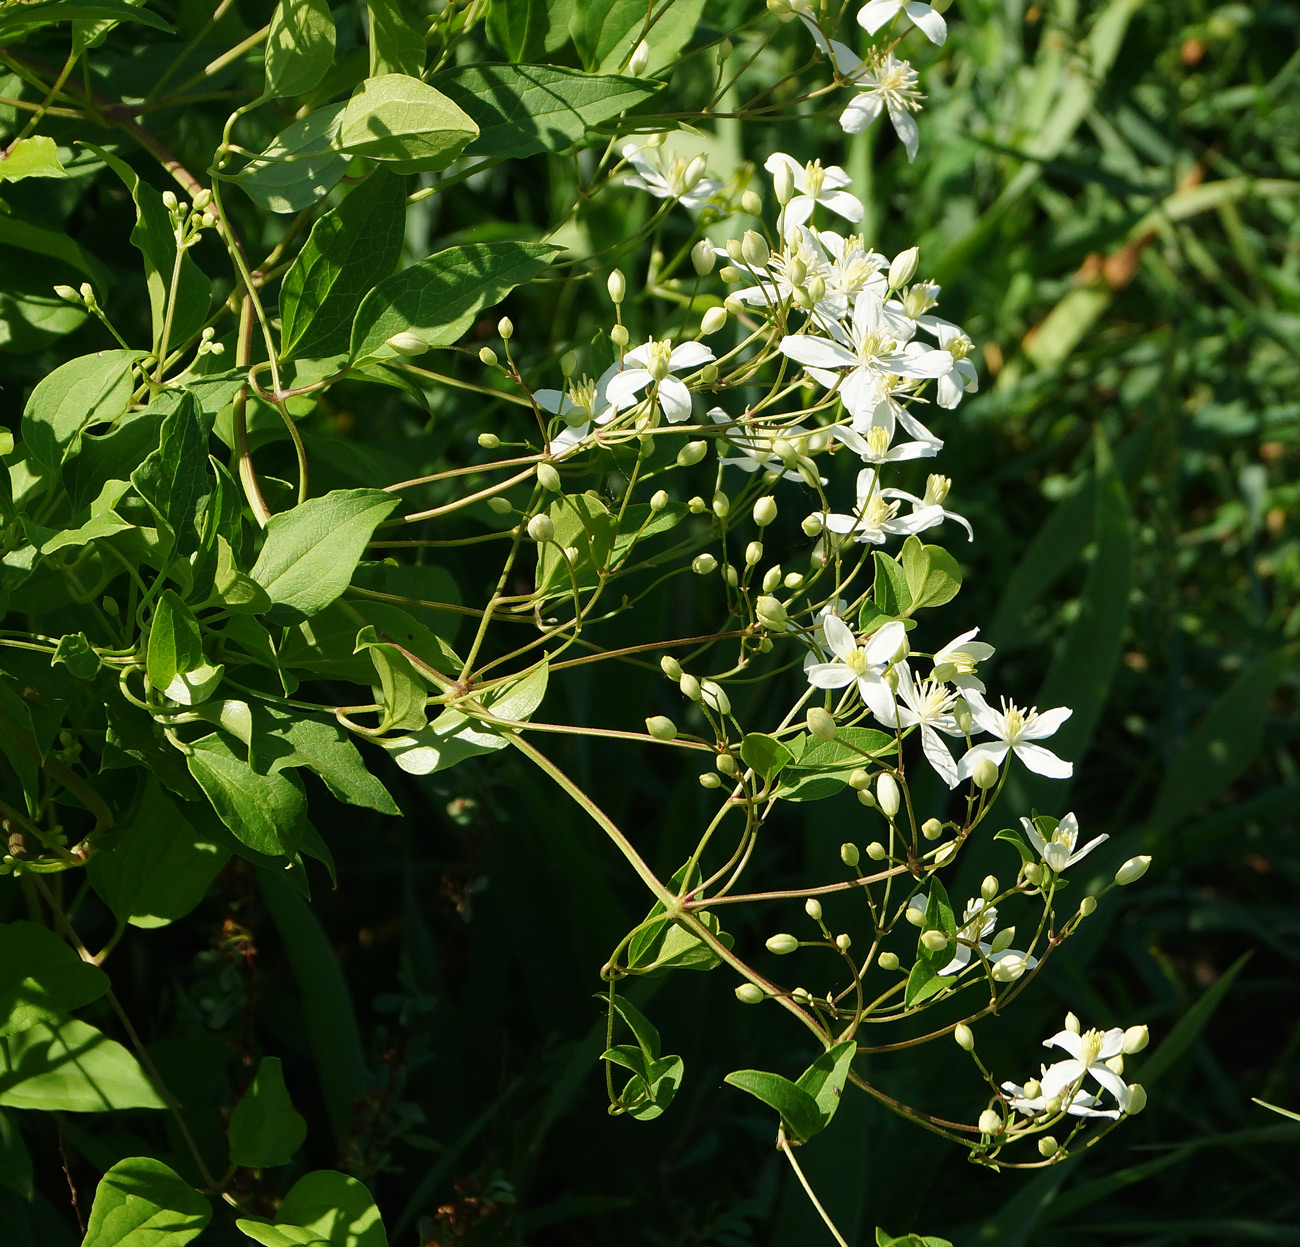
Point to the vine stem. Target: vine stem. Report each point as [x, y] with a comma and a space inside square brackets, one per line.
[784, 1144]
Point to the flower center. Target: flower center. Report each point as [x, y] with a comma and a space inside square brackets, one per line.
[877, 442]
[878, 512]
[660, 364]
[814, 178]
[1089, 1046]
[582, 394]
[936, 489]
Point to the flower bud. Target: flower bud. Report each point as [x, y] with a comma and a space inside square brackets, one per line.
[1135, 1039]
[616, 284]
[696, 505]
[703, 257]
[1034, 873]
[752, 202]
[867, 797]
[990, 1121]
[541, 529]
[800, 996]
[725, 764]
[710, 779]
[506, 328]
[765, 510]
[568, 362]
[783, 184]
[812, 525]
[708, 374]
[548, 478]
[715, 696]
[963, 716]
[1132, 870]
[849, 854]
[753, 553]
[661, 727]
[489, 441]
[934, 941]
[618, 335]
[903, 269]
[782, 944]
[772, 579]
[1008, 969]
[169, 200]
[703, 564]
[821, 723]
[488, 356]
[859, 780]
[932, 829]
[1137, 1099]
[964, 1037]
[733, 249]
[692, 453]
[1116, 1064]
[407, 343]
[713, 320]
[721, 505]
[793, 580]
[887, 795]
[771, 613]
[670, 667]
[813, 908]
[887, 961]
[639, 59]
[1088, 906]
[989, 888]
[202, 199]
[500, 505]
[844, 942]
[730, 274]
[67, 294]
[1048, 1147]
[750, 994]
[694, 171]
[1002, 940]
[1072, 1023]
[985, 772]
[945, 853]
[754, 249]
[690, 686]
[877, 852]
[734, 306]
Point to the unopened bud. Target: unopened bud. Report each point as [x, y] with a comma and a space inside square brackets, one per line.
[754, 249]
[616, 284]
[783, 183]
[1135, 1039]
[407, 343]
[903, 269]
[703, 257]
[692, 453]
[888, 961]
[793, 580]
[963, 716]
[887, 795]
[934, 941]
[505, 328]
[661, 727]
[67, 294]
[733, 249]
[812, 525]
[752, 202]
[541, 529]
[568, 362]
[721, 505]
[715, 696]
[1072, 1023]
[765, 511]
[1009, 968]
[813, 908]
[548, 478]
[1132, 870]
[989, 888]
[877, 851]
[964, 1037]
[1002, 940]
[487, 356]
[984, 772]
[690, 686]
[1034, 873]
[489, 441]
[1033, 1089]
[990, 1121]
[169, 200]
[750, 994]
[753, 553]
[500, 505]
[725, 764]
[202, 199]
[697, 505]
[771, 613]
[703, 564]
[618, 335]
[670, 667]
[1137, 1099]
[710, 779]
[849, 854]
[730, 273]
[860, 780]
[932, 829]
[844, 942]
[1116, 1064]
[1048, 1147]
[772, 579]
[821, 723]
[708, 374]
[782, 944]
[1088, 906]
[639, 59]
[713, 320]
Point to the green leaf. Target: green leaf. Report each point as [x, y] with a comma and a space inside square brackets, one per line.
[71, 1067]
[799, 1112]
[174, 479]
[140, 1202]
[20, 230]
[666, 945]
[154, 239]
[647, 1036]
[396, 44]
[41, 977]
[931, 574]
[646, 1096]
[765, 755]
[34, 157]
[402, 693]
[349, 250]
[583, 523]
[299, 47]
[75, 652]
[521, 110]
[176, 664]
[160, 868]
[311, 551]
[923, 981]
[265, 1128]
[605, 32]
[98, 520]
[890, 589]
[1022, 846]
[324, 1207]
[90, 390]
[439, 297]
[885, 1239]
[398, 117]
[266, 812]
[528, 29]
[822, 768]
[299, 166]
[939, 916]
[17, 19]
[824, 1079]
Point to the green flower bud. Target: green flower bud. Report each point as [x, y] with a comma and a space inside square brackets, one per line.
[618, 335]
[692, 453]
[752, 202]
[771, 613]
[750, 994]
[713, 320]
[67, 294]
[506, 328]
[783, 183]
[541, 529]
[782, 944]
[715, 696]
[990, 1121]
[754, 249]
[708, 374]
[703, 564]
[1034, 873]
[487, 356]
[888, 961]
[639, 59]
[821, 723]
[849, 854]
[932, 829]
[1116, 1064]
[1048, 1147]
[690, 687]
[710, 779]
[721, 505]
[844, 942]
[859, 780]
[725, 764]
[1132, 870]
[813, 908]
[964, 1037]
[765, 511]
[1033, 1089]
[661, 727]
[1137, 1099]
[877, 851]
[812, 525]
[990, 887]
[407, 343]
[1002, 940]
[1009, 969]
[730, 273]
[1088, 906]
[985, 772]
[658, 500]
[962, 716]
[568, 362]
[1072, 1023]
[670, 667]
[548, 478]
[500, 505]
[489, 441]
[934, 941]
[703, 257]
[1135, 1039]
[697, 505]
[616, 284]
[772, 579]
[887, 795]
[903, 269]
[793, 580]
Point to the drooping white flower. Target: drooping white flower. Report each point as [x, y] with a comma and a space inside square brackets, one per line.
[815, 185]
[1059, 853]
[874, 447]
[872, 16]
[963, 378]
[885, 83]
[655, 361]
[927, 705]
[876, 516]
[1088, 1054]
[666, 176]
[936, 490]
[1079, 1104]
[757, 445]
[1015, 730]
[865, 664]
[976, 930]
[956, 662]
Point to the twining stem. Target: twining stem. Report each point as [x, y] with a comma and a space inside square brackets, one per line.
[784, 1144]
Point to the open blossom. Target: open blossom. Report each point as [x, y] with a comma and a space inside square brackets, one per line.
[874, 447]
[1015, 731]
[1059, 852]
[815, 185]
[1088, 1054]
[583, 404]
[873, 16]
[956, 662]
[865, 664]
[883, 83]
[800, 259]
[963, 379]
[876, 516]
[1079, 1103]
[976, 930]
[757, 445]
[927, 705]
[654, 362]
[669, 177]
[936, 490]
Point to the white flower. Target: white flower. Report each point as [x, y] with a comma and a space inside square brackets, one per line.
[877, 515]
[936, 490]
[874, 447]
[757, 445]
[956, 662]
[927, 705]
[815, 185]
[653, 362]
[816, 638]
[975, 931]
[888, 411]
[883, 82]
[586, 402]
[800, 259]
[668, 176]
[1059, 853]
[1079, 1104]
[1089, 1053]
[963, 377]
[854, 663]
[1015, 730]
[873, 16]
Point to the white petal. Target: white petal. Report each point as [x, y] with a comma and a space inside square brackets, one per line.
[1112, 1082]
[555, 401]
[1047, 723]
[1043, 761]
[675, 399]
[797, 211]
[816, 352]
[830, 675]
[1087, 848]
[838, 522]
[623, 389]
[885, 642]
[909, 133]
[846, 205]
[859, 114]
[987, 749]
[839, 636]
[1070, 1042]
[1031, 834]
[778, 159]
[689, 355]
[873, 16]
[846, 61]
[879, 699]
[937, 755]
[935, 28]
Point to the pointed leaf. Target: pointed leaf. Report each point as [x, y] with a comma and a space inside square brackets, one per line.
[41, 977]
[265, 1128]
[300, 46]
[799, 1112]
[140, 1202]
[71, 1067]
